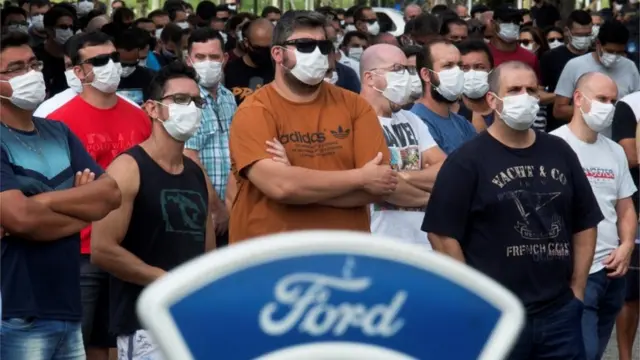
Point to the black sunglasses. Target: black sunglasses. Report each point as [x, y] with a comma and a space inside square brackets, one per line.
[526, 42]
[307, 46]
[103, 59]
[552, 39]
[370, 21]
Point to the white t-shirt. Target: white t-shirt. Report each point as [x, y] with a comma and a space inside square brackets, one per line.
[606, 167]
[56, 101]
[407, 138]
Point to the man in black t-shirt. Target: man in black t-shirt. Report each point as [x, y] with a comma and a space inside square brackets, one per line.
[254, 69]
[579, 27]
[133, 46]
[526, 217]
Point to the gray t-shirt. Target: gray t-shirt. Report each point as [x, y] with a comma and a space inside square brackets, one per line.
[624, 73]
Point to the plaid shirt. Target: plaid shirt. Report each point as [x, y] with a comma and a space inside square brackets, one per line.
[212, 139]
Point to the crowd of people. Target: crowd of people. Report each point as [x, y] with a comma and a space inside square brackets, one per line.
[504, 138]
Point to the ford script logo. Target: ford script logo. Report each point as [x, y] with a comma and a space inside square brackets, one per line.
[329, 295]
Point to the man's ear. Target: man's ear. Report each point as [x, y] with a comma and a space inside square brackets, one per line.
[492, 100]
[424, 75]
[151, 108]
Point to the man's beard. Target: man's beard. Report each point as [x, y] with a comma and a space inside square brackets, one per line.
[294, 83]
[438, 97]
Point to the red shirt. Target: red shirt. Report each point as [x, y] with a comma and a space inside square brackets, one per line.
[520, 54]
[105, 133]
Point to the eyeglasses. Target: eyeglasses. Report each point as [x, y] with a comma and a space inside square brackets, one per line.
[307, 46]
[185, 99]
[370, 21]
[398, 68]
[20, 69]
[103, 59]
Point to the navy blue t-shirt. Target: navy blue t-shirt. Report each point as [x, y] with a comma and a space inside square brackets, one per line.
[448, 132]
[41, 279]
[514, 213]
[347, 78]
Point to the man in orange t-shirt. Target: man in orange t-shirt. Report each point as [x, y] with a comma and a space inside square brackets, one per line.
[338, 158]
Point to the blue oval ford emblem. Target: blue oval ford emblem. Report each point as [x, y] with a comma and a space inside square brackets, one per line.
[329, 295]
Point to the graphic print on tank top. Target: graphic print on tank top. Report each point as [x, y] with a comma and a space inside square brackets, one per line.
[182, 210]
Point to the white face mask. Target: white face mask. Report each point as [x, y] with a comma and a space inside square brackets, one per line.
[239, 35]
[183, 25]
[373, 29]
[310, 68]
[37, 22]
[581, 42]
[529, 47]
[555, 44]
[72, 80]
[28, 90]
[356, 53]
[398, 89]
[599, 117]
[107, 77]
[608, 60]
[127, 71]
[416, 86]
[595, 30]
[224, 37]
[274, 23]
[476, 84]
[350, 28]
[333, 79]
[142, 63]
[451, 83]
[63, 35]
[183, 121]
[18, 28]
[519, 111]
[84, 7]
[158, 33]
[509, 32]
[209, 72]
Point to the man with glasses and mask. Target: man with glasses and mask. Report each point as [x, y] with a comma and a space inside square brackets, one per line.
[515, 204]
[366, 21]
[608, 58]
[164, 219]
[414, 153]
[133, 47]
[336, 149]
[209, 146]
[51, 189]
[106, 125]
[443, 84]
[244, 75]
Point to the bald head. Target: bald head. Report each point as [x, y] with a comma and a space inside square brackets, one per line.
[504, 76]
[381, 55]
[385, 38]
[260, 32]
[591, 82]
[97, 23]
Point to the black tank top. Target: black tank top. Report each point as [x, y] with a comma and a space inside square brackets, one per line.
[167, 228]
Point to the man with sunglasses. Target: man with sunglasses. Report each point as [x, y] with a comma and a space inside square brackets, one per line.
[339, 159]
[106, 125]
[414, 153]
[164, 219]
[51, 188]
[366, 21]
[133, 47]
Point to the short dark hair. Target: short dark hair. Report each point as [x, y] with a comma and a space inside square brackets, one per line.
[412, 50]
[238, 19]
[270, 10]
[11, 10]
[84, 40]
[358, 14]
[142, 20]
[206, 10]
[131, 39]
[425, 25]
[470, 46]
[354, 34]
[70, 8]
[479, 9]
[444, 28]
[295, 19]
[172, 8]
[13, 39]
[549, 29]
[424, 60]
[124, 4]
[51, 17]
[223, 7]
[613, 32]
[39, 3]
[440, 8]
[174, 70]
[579, 17]
[171, 33]
[351, 11]
[204, 34]
[122, 13]
[157, 13]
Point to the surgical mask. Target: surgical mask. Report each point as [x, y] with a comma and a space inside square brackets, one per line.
[451, 83]
[350, 28]
[224, 36]
[581, 42]
[398, 89]
[595, 30]
[158, 33]
[209, 72]
[72, 80]
[556, 43]
[416, 86]
[127, 71]
[37, 22]
[310, 68]
[183, 121]
[356, 53]
[599, 117]
[63, 35]
[339, 40]
[183, 25]
[373, 29]
[608, 60]
[84, 7]
[107, 77]
[274, 23]
[239, 35]
[519, 111]
[142, 63]
[28, 90]
[509, 32]
[617, 7]
[19, 28]
[333, 79]
[476, 84]
[527, 47]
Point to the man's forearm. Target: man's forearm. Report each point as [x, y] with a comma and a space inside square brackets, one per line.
[423, 179]
[584, 246]
[446, 245]
[89, 202]
[124, 265]
[53, 227]
[353, 199]
[407, 195]
[627, 228]
[308, 186]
